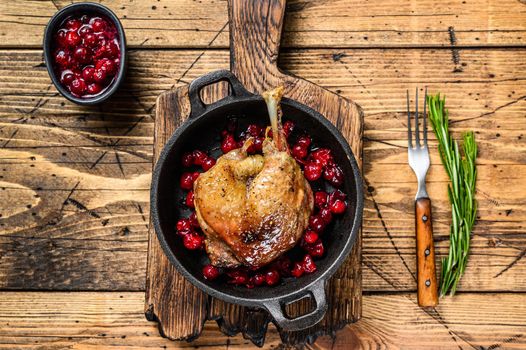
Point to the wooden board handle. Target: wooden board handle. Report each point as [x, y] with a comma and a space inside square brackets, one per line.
[425, 250]
[255, 35]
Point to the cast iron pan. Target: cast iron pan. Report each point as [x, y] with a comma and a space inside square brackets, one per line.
[201, 131]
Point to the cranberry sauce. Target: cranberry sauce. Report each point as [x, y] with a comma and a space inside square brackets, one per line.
[319, 169]
[86, 54]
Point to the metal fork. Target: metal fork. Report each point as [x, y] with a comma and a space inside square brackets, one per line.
[418, 156]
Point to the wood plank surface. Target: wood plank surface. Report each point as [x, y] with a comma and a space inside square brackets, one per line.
[85, 172]
[113, 320]
[308, 23]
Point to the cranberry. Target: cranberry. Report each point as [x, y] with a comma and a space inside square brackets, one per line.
[336, 195]
[193, 220]
[288, 127]
[100, 75]
[195, 175]
[308, 264]
[73, 24]
[316, 249]
[258, 144]
[258, 279]
[310, 237]
[323, 156]
[107, 65]
[184, 225]
[72, 39]
[208, 163]
[193, 241]
[228, 144]
[282, 265]
[190, 199]
[313, 171]
[78, 86]
[299, 152]
[187, 160]
[199, 157]
[237, 277]
[112, 49]
[62, 58]
[61, 37]
[94, 89]
[316, 223]
[297, 270]
[67, 77]
[333, 174]
[85, 30]
[187, 181]
[90, 40]
[81, 54]
[87, 73]
[326, 215]
[98, 25]
[254, 130]
[338, 206]
[304, 141]
[100, 52]
[210, 272]
[320, 199]
[272, 277]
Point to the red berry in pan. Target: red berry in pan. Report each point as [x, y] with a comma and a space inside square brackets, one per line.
[90, 40]
[272, 277]
[238, 277]
[297, 270]
[199, 157]
[316, 249]
[184, 225]
[73, 24]
[333, 174]
[85, 30]
[336, 195]
[193, 220]
[258, 279]
[67, 77]
[310, 236]
[338, 206]
[62, 58]
[299, 152]
[193, 241]
[308, 264]
[320, 199]
[87, 74]
[254, 130]
[312, 171]
[326, 215]
[187, 181]
[190, 199]
[316, 223]
[228, 144]
[288, 127]
[304, 141]
[187, 160]
[323, 156]
[208, 163]
[210, 272]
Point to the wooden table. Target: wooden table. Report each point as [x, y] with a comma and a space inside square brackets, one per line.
[74, 182]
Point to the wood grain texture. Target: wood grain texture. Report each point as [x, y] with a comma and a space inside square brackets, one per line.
[427, 288]
[255, 37]
[113, 320]
[42, 134]
[308, 23]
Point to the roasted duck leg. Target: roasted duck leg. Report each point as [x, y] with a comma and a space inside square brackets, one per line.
[254, 208]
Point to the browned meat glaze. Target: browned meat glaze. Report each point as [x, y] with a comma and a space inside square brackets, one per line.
[254, 208]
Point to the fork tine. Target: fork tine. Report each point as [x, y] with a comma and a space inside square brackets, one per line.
[425, 117]
[417, 130]
[409, 137]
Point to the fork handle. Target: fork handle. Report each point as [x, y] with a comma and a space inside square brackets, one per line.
[426, 270]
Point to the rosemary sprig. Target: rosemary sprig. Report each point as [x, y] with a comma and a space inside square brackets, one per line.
[461, 192]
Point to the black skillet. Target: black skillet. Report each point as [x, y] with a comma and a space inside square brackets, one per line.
[201, 131]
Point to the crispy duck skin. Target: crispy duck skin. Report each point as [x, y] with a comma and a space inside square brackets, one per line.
[254, 208]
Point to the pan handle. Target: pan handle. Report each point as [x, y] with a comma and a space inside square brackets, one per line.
[194, 91]
[275, 308]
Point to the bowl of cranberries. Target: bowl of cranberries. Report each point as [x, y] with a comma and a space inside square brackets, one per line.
[85, 52]
[327, 163]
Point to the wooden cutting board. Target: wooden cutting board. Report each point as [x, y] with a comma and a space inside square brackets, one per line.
[180, 308]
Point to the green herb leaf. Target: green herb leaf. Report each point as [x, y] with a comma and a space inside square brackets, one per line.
[461, 192]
